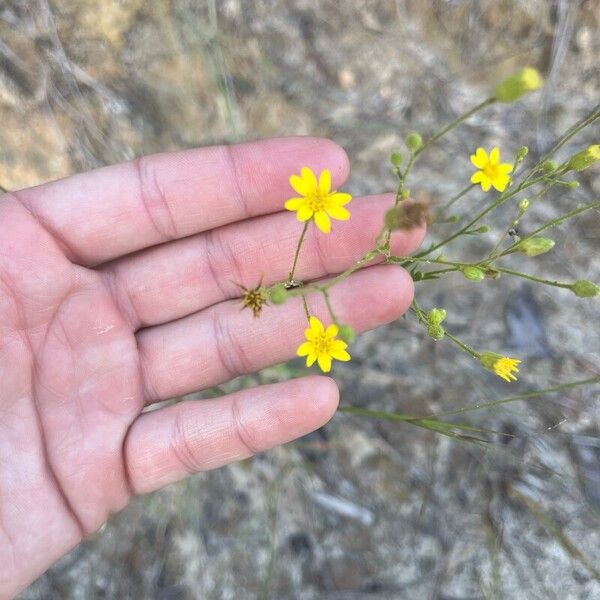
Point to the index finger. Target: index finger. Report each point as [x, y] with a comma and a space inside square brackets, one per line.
[113, 211]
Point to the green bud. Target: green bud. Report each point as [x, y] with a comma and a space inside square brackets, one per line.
[535, 246]
[404, 194]
[436, 315]
[572, 184]
[277, 294]
[585, 289]
[483, 229]
[512, 88]
[549, 166]
[473, 273]
[413, 141]
[347, 333]
[396, 159]
[523, 205]
[454, 219]
[522, 152]
[435, 331]
[584, 159]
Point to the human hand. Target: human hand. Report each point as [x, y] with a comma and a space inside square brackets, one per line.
[116, 291]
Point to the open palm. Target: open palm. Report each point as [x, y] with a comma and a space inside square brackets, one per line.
[117, 291]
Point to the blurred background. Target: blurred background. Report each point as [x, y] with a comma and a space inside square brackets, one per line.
[361, 508]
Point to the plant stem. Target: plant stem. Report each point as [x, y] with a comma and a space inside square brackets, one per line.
[302, 235]
[329, 307]
[463, 346]
[453, 124]
[458, 196]
[536, 394]
[533, 278]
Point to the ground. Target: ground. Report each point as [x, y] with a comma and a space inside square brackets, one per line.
[361, 508]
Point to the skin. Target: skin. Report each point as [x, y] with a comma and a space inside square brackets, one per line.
[117, 290]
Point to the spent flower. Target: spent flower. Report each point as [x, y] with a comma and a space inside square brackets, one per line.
[584, 159]
[316, 200]
[503, 366]
[321, 345]
[491, 171]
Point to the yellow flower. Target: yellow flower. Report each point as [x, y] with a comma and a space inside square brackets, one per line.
[322, 346]
[316, 200]
[491, 171]
[503, 366]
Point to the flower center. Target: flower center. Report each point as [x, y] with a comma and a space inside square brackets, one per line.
[316, 202]
[322, 344]
[491, 170]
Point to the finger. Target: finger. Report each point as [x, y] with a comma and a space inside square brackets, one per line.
[223, 342]
[171, 281]
[109, 212]
[171, 443]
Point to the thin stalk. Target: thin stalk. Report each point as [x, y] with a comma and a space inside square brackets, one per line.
[463, 346]
[458, 196]
[533, 278]
[302, 236]
[329, 307]
[528, 396]
[453, 124]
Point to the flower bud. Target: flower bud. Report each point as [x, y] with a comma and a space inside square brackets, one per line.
[572, 184]
[512, 88]
[396, 159]
[523, 205]
[435, 331]
[436, 315]
[413, 141]
[277, 294]
[483, 229]
[549, 166]
[585, 289]
[473, 273]
[522, 152]
[584, 159]
[347, 333]
[535, 246]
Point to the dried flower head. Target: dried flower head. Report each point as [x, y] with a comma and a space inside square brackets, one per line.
[408, 215]
[254, 298]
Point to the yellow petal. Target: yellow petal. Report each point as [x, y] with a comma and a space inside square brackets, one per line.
[304, 349]
[310, 360]
[332, 330]
[325, 182]
[310, 334]
[339, 198]
[322, 221]
[505, 168]
[324, 361]
[500, 182]
[480, 158]
[495, 156]
[338, 345]
[476, 177]
[294, 203]
[299, 185]
[486, 182]
[309, 179]
[304, 213]
[337, 212]
[340, 355]
[316, 325]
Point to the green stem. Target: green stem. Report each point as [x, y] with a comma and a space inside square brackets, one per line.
[552, 223]
[533, 278]
[302, 235]
[329, 307]
[453, 124]
[536, 394]
[463, 346]
[459, 196]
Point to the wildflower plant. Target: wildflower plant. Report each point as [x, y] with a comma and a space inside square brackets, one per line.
[502, 182]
